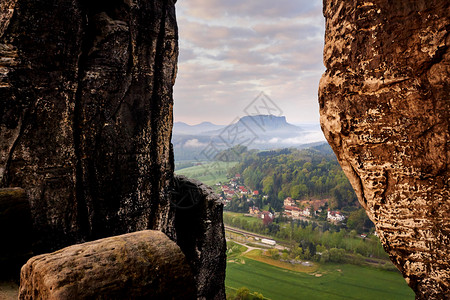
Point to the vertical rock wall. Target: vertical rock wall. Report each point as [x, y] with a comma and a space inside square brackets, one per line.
[199, 211]
[384, 104]
[86, 121]
[86, 114]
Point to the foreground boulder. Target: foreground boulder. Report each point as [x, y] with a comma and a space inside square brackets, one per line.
[385, 110]
[15, 231]
[140, 265]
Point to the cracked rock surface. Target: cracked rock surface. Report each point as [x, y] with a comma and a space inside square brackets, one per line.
[86, 122]
[384, 104]
[86, 114]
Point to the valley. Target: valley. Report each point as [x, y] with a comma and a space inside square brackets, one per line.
[324, 246]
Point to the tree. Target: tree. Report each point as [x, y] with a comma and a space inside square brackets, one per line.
[325, 257]
[299, 191]
[242, 293]
[296, 173]
[268, 185]
[274, 253]
[337, 255]
[359, 221]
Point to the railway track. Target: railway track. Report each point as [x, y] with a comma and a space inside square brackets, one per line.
[237, 230]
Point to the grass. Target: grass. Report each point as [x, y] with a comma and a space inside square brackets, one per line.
[281, 280]
[259, 256]
[249, 220]
[209, 173]
[331, 281]
[235, 250]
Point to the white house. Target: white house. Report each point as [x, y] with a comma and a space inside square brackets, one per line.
[335, 216]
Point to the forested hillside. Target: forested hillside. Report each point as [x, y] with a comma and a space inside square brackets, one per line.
[312, 173]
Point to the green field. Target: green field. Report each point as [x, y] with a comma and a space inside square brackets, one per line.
[242, 217]
[331, 281]
[209, 173]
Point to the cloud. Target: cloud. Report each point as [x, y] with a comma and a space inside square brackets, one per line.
[230, 51]
[213, 9]
[311, 137]
[194, 143]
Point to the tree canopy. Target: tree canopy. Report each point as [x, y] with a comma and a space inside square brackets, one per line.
[300, 174]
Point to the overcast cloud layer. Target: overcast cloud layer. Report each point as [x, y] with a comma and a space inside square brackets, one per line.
[230, 51]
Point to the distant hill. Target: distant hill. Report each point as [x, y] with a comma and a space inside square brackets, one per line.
[263, 126]
[263, 132]
[257, 124]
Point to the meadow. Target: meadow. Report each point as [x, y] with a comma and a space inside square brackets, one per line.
[329, 281]
[209, 173]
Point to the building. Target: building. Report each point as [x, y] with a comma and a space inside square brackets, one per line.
[292, 211]
[243, 190]
[306, 212]
[267, 217]
[313, 204]
[335, 216]
[266, 213]
[230, 193]
[253, 210]
[289, 202]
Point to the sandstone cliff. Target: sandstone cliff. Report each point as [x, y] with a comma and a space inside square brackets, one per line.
[384, 104]
[86, 121]
[86, 114]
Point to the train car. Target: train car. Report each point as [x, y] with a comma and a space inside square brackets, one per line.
[268, 242]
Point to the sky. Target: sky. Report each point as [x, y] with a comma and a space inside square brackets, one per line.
[231, 51]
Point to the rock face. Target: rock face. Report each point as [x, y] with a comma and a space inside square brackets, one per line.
[139, 265]
[86, 114]
[203, 242]
[15, 231]
[85, 126]
[384, 104]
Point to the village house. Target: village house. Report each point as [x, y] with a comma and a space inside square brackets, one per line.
[267, 217]
[297, 209]
[289, 202]
[229, 193]
[335, 216]
[243, 190]
[253, 210]
[312, 205]
[292, 211]
[266, 213]
[306, 212]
